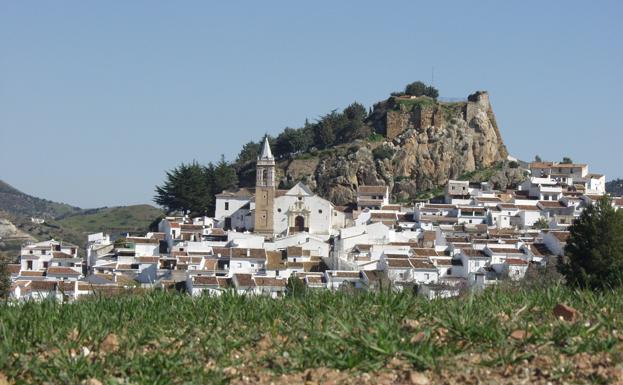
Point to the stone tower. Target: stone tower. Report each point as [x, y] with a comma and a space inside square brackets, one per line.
[265, 191]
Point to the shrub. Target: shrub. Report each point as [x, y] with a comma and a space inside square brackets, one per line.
[295, 287]
[383, 152]
[376, 138]
[541, 224]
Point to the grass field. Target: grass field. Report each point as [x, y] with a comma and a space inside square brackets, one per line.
[111, 219]
[500, 336]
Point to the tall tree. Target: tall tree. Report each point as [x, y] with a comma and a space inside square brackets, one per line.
[186, 189]
[594, 251]
[327, 129]
[249, 153]
[354, 127]
[292, 141]
[225, 177]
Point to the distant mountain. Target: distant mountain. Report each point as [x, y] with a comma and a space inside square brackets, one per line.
[63, 221]
[20, 204]
[615, 187]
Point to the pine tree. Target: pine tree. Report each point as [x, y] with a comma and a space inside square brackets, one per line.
[187, 190]
[594, 251]
[225, 177]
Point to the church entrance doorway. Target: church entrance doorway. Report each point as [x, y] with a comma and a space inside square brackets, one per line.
[299, 224]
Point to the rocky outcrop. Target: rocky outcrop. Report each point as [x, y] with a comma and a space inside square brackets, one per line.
[431, 142]
[427, 143]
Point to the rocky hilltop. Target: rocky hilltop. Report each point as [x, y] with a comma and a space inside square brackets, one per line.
[420, 144]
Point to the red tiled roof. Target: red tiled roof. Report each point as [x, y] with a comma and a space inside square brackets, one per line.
[365, 190]
[515, 262]
[142, 240]
[421, 263]
[505, 250]
[562, 236]
[42, 285]
[147, 259]
[28, 273]
[61, 255]
[270, 282]
[424, 252]
[474, 253]
[551, 204]
[244, 280]
[60, 270]
[398, 263]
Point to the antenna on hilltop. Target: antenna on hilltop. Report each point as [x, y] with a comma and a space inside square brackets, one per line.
[432, 77]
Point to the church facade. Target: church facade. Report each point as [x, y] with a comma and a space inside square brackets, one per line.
[279, 213]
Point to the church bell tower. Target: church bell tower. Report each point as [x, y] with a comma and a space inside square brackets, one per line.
[265, 191]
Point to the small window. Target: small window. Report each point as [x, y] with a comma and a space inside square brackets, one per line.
[45, 265]
[226, 206]
[319, 211]
[300, 198]
[29, 265]
[278, 210]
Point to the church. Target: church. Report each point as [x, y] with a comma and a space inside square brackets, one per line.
[276, 213]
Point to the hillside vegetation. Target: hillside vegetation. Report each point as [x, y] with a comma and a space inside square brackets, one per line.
[112, 219]
[500, 336]
[20, 204]
[62, 221]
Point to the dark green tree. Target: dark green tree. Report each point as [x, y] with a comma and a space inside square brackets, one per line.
[566, 160]
[292, 141]
[326, 129]
[186, 190]
[224, 177]
[5, 281]
[538, 159]
[420, 89]
[594, 251]
[249, 153]
[416, 89]
[432, 92]
[354, 126]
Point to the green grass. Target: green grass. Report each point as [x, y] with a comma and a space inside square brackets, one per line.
[170, 338]
[112, 219]
[375, 137]
[421, 101]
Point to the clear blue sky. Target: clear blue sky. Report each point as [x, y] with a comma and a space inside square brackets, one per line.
[98, 99]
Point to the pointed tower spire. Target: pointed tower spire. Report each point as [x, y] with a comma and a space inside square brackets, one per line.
[265, 190]
[266, 154]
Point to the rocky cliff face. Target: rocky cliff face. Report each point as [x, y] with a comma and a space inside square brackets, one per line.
[426, 144]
